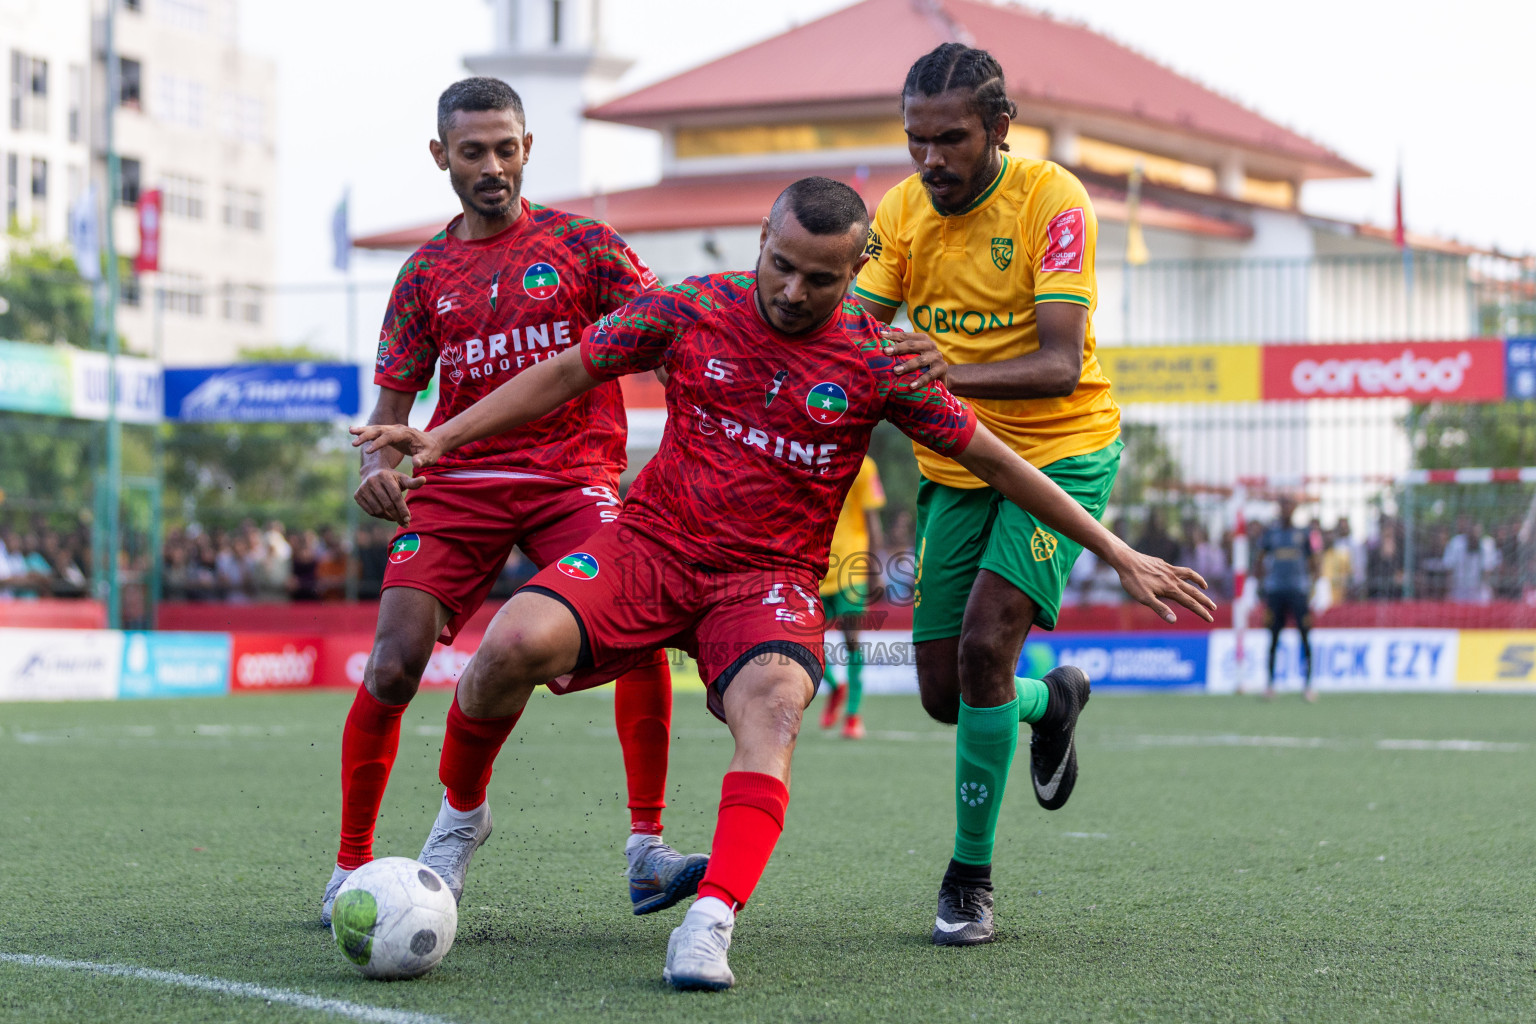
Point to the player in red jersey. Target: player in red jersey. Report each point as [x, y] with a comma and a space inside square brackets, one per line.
[502, 288]
[775, 382]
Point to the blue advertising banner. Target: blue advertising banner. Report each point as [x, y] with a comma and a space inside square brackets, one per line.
[175, 665]
[262, 393]
[1163, 661]
[1520, 367]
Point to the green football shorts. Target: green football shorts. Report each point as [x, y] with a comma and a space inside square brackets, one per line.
[961, 531]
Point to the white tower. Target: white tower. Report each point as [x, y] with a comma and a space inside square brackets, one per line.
[551, 52]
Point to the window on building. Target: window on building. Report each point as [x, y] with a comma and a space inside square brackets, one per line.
[76, 102]
[12, 188]
[39, 179]
[182, 196]
[75, 183]
[251, 218]
[182, 293]
[554, 22]
[242, 208]
[179, 101]
[130, 83]
[242, 303]
[191, 15]
[136, 6]
[243, 117]
[29, 92]
[129, 173]
[130, 288]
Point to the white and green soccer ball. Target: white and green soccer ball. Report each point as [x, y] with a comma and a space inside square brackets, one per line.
[394, 918]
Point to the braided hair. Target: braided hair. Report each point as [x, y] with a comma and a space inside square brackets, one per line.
[957, 66]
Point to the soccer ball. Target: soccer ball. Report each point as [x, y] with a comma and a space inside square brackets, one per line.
[394, 918]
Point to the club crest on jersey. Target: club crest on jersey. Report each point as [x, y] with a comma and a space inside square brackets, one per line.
[1042, 545]
[579, 565]
[773, 388]
[404, 548]
[1002, 252]
[826, 402]
[541, 281]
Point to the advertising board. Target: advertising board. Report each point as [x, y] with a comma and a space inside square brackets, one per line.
[1438, 371]
[1497, 659]
[175, 665]
[1157, 661]
[1385, 660]
[59, 664]
[262, 393]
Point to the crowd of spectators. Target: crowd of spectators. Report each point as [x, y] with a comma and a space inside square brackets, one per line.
[1464, 561]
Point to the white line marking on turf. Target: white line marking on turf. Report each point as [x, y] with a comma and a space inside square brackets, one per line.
[219, 986]
[1473, 746]
[1317, 742]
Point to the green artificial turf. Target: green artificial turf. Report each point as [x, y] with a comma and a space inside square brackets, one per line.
[1222, 859]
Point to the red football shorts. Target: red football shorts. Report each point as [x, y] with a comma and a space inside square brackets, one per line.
[631, 594]
[464, 524]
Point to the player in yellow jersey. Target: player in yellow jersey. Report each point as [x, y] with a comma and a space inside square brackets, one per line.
[993, 257]
[844, 592]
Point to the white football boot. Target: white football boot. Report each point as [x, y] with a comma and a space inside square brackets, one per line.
[455, 837]
[327, 901]
[696, 951]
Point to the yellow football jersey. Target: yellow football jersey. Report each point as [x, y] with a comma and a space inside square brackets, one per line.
[971, 281]
[851, 535]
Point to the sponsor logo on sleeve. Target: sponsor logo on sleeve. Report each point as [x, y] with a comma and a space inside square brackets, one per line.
[1002, 252]
[826, 402]
[1064, 240]
[579, 565]
[404, 548]
[872, 245]
[541, 281]
[648, 278]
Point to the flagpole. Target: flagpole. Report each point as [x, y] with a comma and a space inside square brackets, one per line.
[113, 501]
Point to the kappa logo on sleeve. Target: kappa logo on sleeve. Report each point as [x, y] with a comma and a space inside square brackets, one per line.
[648, 278]
[1064, 242]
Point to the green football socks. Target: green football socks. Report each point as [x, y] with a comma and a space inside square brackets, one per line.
[855, 677]
[1033, 698]
[985, 741]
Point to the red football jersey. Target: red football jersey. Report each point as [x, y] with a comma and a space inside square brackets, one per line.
[765, 431]
[488, 309]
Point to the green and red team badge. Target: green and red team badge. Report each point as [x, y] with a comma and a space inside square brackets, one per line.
[579, 565]
[541, 281]
[826, 402]
[404, 548]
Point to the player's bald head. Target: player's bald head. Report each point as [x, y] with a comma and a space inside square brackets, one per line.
[475, 94]
[823, 206]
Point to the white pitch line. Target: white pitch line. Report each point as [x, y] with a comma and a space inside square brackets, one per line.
[1318, 743]
[219, 986]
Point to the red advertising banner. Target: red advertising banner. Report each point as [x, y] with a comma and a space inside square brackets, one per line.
[274, 662]
[149, 232]
[1424, 371]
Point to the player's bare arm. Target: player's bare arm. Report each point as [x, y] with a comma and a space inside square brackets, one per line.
[1147, 579]
[1051, 371]
[537, 391]
[381, 493]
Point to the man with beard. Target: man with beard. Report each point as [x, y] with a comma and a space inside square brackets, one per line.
[993, 257]
[775, 381]
[505, 286]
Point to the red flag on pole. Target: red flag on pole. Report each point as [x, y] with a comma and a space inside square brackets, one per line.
[1399, 236]
[149, 232]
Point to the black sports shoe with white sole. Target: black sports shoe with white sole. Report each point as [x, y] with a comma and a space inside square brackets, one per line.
[1052, 748]
[965, 913]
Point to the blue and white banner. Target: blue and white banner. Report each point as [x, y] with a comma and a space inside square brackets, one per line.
[262, 393]
[1148, 661]
[175, 665]
[1520, 367]
[1385, 660]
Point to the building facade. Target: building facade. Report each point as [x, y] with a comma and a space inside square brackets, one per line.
[193, 117]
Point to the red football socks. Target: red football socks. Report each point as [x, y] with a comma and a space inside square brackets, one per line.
[469, 751]
[642, 712]
[752, 807]
[369, 742]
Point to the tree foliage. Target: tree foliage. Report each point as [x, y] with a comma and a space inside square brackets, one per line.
[47, 301]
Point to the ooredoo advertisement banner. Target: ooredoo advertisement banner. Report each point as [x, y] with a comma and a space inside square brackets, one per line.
[274, 661]
[1424, 371]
